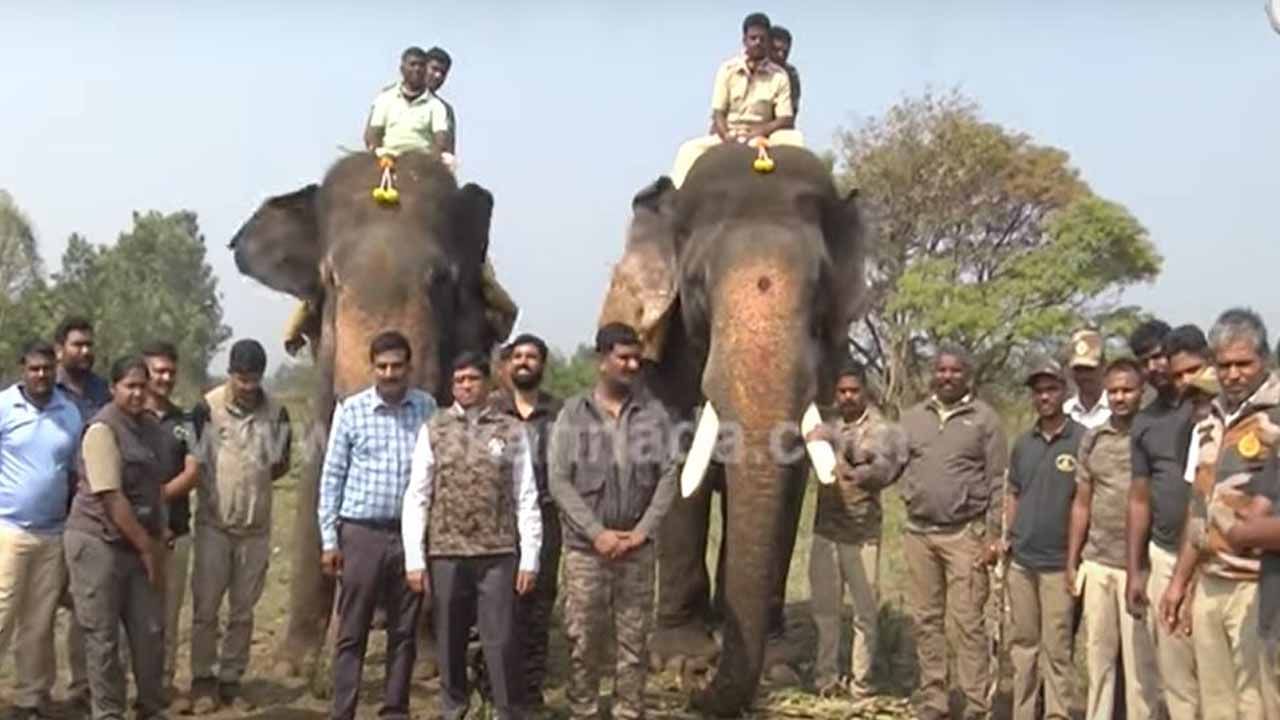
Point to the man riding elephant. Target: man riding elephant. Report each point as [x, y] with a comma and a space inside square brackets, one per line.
[406, 117]
[742, 285]
[750, 101]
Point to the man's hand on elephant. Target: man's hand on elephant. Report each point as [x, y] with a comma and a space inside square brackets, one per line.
[608, 543]
[525, 580]
[823, 432]
[417, 581]
[331, 563]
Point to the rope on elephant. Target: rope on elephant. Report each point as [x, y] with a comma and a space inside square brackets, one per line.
[386, 192]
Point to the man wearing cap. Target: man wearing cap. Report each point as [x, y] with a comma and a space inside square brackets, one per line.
[1088, 406]
[1157, 502]
[1038, 507]
[1096, 554]
[243, 441]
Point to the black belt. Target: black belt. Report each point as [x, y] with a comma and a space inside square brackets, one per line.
[387, 525]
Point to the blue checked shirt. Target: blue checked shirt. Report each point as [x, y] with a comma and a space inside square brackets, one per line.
[367, 461]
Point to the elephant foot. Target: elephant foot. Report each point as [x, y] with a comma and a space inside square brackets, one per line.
[690, 641]
[718, 701]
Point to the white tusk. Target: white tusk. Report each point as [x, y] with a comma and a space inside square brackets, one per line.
[821, 454]
[699, 457]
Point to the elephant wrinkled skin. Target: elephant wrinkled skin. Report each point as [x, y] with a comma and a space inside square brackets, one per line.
[415, 267]
[743, 286]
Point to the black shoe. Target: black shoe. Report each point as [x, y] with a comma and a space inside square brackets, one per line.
[230, 696]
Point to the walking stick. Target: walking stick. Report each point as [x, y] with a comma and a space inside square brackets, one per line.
[1000, 574]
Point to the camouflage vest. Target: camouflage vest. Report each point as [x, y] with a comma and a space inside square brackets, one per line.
[473, 503]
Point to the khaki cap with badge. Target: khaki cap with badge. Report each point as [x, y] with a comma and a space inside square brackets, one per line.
[1086, 349]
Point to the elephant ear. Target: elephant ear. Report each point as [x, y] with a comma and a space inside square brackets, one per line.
[279, 246]
[472, 217]
[847, 236]
[642, 291]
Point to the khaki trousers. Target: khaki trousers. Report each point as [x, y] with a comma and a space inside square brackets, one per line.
[1175, 653]
[1109, 627]
[832, 568]
[1041, 607]
[179, 566]
[946, 589]
[1224, 628]
[693, 149]
[226, 565]
[32, 575]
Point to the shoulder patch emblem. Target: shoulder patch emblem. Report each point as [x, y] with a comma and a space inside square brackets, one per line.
[1249, 446]
[1082, 348]
[1065, 462]
[496, 447]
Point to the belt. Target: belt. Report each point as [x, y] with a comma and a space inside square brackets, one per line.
[384, 525]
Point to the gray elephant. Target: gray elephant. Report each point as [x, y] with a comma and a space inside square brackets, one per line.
[363, 267]
[743, 285]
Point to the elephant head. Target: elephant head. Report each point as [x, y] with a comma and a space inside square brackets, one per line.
[743, 286]
[362, 268]
[416, 266]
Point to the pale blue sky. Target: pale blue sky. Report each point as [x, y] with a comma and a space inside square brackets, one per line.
[567, 107]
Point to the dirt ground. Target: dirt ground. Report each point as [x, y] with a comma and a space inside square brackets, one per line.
[282, 698]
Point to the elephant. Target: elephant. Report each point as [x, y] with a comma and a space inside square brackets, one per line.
[742, 284]
[415, 266]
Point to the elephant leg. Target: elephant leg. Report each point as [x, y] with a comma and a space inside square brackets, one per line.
[684, 588]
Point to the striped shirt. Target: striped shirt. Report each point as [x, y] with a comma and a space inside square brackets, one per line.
[367, 461]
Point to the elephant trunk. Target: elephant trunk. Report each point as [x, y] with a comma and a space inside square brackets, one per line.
[760, 377]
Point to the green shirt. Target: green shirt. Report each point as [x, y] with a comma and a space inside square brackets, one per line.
[408, 124]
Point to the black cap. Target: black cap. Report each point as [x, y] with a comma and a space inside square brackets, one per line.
[1046, 367]
[247, 356]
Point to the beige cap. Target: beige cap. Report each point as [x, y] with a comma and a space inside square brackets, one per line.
[1086, 349]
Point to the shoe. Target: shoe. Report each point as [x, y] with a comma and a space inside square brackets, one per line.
[230, 695]
[204, 696]
[179, 704]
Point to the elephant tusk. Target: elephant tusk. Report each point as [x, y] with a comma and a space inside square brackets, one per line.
[700, 450]
[821, 454]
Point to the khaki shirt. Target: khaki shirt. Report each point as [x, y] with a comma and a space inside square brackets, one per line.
[1104, 465]
[408, 125]
[749, 98]
[238, 451]
[872, 452]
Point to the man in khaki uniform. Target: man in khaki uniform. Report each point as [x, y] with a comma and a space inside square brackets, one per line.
[846, 531]
[1096, 555]
[1229, 452]
[751, 98]
[1038, 507]
[952, 487]
[243, 443]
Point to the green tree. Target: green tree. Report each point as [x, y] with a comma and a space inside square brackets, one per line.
[154, 283]
[569, 375]
[981, 237]
[21, 275]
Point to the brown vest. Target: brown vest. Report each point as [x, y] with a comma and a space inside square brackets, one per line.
[473, 503]
[142, 478]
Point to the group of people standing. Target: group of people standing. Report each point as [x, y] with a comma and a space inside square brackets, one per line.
[469, 508]
[95, 516]
[1154, 526]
